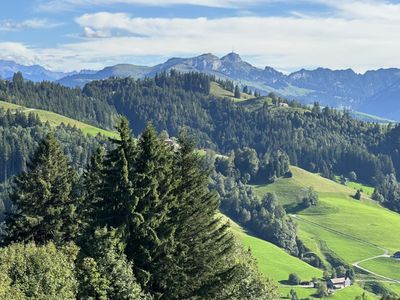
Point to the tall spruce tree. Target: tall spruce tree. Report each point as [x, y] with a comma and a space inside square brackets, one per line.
[116, 193]
[150, 234]
[91, 184]
[43, 198]
[204, 239]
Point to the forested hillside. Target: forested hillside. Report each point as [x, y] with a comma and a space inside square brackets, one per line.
[140, 223]
[56, 98]
[319, 139]
[132, 200]
[20, 134]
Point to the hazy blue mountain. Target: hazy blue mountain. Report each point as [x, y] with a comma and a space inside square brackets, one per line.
[34, 73]
[375, 92]
[121, 70]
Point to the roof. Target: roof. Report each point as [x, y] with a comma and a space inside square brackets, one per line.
[338, 280]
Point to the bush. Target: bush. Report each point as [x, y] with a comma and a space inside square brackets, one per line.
[45, 272]
[357, 195]
[322, 290]
[294, 279]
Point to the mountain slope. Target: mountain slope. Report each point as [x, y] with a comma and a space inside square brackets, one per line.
[34, 73]
[278, 264]
[122, 70]
[374, 92]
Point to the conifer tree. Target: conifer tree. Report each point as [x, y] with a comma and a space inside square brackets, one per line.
[237, 92]
[150, 235]
[91, 185]
[43, 198]
[204, 240]
[116, 193]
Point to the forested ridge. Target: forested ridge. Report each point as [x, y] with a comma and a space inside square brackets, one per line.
[59, 99]
[320, 140]
[317, 139]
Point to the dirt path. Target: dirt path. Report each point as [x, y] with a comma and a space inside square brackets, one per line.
[357, 264]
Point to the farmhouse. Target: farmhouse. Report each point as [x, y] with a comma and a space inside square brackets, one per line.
[338, 283]
[283, 104]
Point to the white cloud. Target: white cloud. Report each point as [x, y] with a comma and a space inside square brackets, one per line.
[10, 25]
[285, 42]
[18, 52]
[362, 40]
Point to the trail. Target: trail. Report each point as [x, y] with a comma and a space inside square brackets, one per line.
[357, 264]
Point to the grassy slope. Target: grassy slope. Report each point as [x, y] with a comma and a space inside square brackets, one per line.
[273, 261]
[277, 264]
[56, 119]
[346, 294]
[388, 267]
[348, 229]
[368, 190]
[218, 91]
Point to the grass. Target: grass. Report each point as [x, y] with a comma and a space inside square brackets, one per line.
[277, 264]
[56, 119]
[351, 292]
[273, 261]
[340, 227]
[393, 287]
[385, 266]
[366, 189]
[219, 91]
[359, 186]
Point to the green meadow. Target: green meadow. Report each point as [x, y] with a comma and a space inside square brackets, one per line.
[278, 264]
[273, 261]
[340, 227]
[386, 266]
[57, 119]
[218, 91]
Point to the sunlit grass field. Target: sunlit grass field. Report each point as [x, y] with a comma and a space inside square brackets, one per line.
[57, 119]
[349, 230]
[388, 267]
[218, 91]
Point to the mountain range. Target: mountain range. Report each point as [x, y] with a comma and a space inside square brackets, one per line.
[375, 92]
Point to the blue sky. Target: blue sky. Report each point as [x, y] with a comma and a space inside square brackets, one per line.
[285, 34]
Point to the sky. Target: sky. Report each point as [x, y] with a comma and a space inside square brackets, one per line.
[67, 35]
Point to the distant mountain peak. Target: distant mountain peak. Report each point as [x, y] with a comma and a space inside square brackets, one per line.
[208, 56]
[232, 57]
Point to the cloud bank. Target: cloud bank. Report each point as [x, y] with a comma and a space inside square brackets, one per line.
[358, 34]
